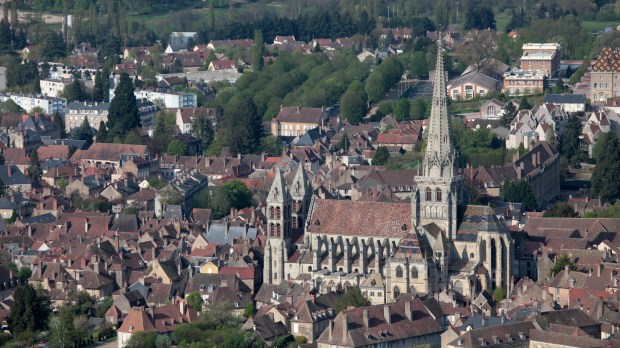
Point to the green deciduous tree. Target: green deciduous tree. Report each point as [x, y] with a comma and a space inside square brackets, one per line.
[176, 148]
[352, 297]
[419, 65]
[510, 112]
[239, 196]
[142, 339]
[202, 128]
[401, 109]
[520, 192]
[353, 103]
[561, 263]
[605, 183]
[75, 91]
[561, 209]
[29, 311]
[123, 113]
[479, 15]
[242, 127]
[195, 301]
[382, 155]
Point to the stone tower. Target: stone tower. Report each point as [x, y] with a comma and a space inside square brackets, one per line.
[300, 198]
[439, 187]
[278, 230]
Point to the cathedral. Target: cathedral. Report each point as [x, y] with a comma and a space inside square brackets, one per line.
[435, 243]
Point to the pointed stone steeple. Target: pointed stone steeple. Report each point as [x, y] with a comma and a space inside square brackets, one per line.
[277, 192]
[439, 158]
[299, 187]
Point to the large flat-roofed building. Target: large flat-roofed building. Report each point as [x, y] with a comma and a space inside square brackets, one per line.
[77, 112]
[54, 87]
[519, 82]
[171, 100]
[541, 61]
[604, 76]
[50, 105]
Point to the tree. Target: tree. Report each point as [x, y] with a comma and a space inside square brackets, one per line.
[195, 301]
[561, 263]
[74, 91]
[481, 46]
[163, 341]
[499, 294]
[559, 87]
[520, 192]
[29, 311]
[283, 341]
[176, 148]
[142, 339]
[123, 114]
[401, 109]
[84, 132]
[249, 310]
[510, 112]
[344, 142]
[165, 128]
[524, 104]
[604, 177]
[570, 144]
[561, 209]
[171, 196]
[479, 15]
[98, 91]
[518, 20]
[242, 127]
[419, 64]
[34, 170]
[239, 196]
[353, 103]
[202, 128]
[382, 155]
[102, 133]
[352, 297]
[258, 50]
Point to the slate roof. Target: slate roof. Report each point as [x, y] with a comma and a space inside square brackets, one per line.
[108, 152]
[566, 317]
[217, 234]
[475, 77]
[495, 335]
[565, 99]
[88, 106]
[16, 177]
[296, 114]
[476, 218]
[357, 218]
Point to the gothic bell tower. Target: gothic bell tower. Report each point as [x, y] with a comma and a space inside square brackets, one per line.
[278, 230]
[439, 188]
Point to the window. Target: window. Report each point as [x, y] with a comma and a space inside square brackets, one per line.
[491, 111]
[438, 197]
[429, 194]
[294, 205]
[278, 231]
[294, 222]
[271, 212]
[300, 206]
[278, 213]
[414, 273]
[272, 230]
[399, 272]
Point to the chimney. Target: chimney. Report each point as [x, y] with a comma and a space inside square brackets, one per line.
[567, 269]
[96, 267]
[599, 269]
[365, 318]
[182, 307]
[298, 108]
[55, 203]
[8, 167]
[408, 310]
[534, 160]
[386, 314]
[330, 328]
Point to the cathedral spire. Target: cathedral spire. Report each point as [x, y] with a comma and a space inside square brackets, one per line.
[439, 157]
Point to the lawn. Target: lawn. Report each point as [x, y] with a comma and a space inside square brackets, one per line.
[501, 20]
[597, 26]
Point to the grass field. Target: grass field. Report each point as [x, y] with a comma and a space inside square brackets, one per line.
[501, 20]
[596, 26]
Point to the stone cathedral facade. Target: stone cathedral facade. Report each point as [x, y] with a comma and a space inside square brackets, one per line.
[435, 243]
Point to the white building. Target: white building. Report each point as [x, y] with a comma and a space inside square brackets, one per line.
[171, 100]
[78, 111]
[54, 87]
[50, 105]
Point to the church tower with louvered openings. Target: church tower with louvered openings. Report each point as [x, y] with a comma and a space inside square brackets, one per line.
[287, 209]
[440, 189]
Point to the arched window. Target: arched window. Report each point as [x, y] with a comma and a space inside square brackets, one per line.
[396, 292]
[429, 194]
[278, 213]
[272, 230]
[438, 197]
[399, 272]
[300, 206]
[294, 222]
[414, 273]
[271, 212]
[278, 231]
[309, 268]
[294, 205]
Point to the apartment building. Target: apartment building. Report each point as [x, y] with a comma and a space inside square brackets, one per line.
[54, 87]
[95, 112]
[520, 82]
[50, 105]
[171, 100]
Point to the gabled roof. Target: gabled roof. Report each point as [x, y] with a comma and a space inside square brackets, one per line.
[137, 320]
[300, 114]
